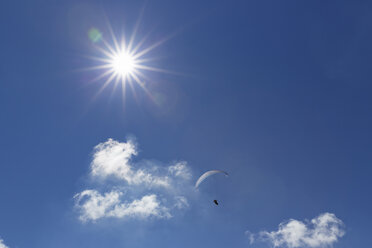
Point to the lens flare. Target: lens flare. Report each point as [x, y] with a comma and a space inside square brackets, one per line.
[94, 35]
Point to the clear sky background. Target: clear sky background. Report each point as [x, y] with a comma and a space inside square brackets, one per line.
[277, 93]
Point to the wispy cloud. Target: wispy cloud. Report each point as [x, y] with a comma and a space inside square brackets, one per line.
[141, 190]
[181, 202]
[2, 245]
[322, 231]
[180, 169]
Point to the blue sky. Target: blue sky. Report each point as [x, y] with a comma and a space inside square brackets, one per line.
[277, 93]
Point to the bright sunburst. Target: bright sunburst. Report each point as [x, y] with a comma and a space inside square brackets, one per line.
[123, 62]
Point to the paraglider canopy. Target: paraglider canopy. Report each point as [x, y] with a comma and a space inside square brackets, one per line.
[208, 174]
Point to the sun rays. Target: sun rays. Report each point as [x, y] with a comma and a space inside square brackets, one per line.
[123, 62]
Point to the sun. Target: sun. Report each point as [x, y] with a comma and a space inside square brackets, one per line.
[123, 62]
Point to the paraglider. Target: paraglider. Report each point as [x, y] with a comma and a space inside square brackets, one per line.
[208, 174]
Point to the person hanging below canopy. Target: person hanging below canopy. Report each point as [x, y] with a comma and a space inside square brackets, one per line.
[206, 175]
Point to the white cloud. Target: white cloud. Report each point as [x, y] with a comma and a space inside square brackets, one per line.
[94, 206]
[322, 231]
[153, 190]
[2, 245]
[113, 158]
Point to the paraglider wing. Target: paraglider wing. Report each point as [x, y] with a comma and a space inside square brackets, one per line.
[207, 174]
